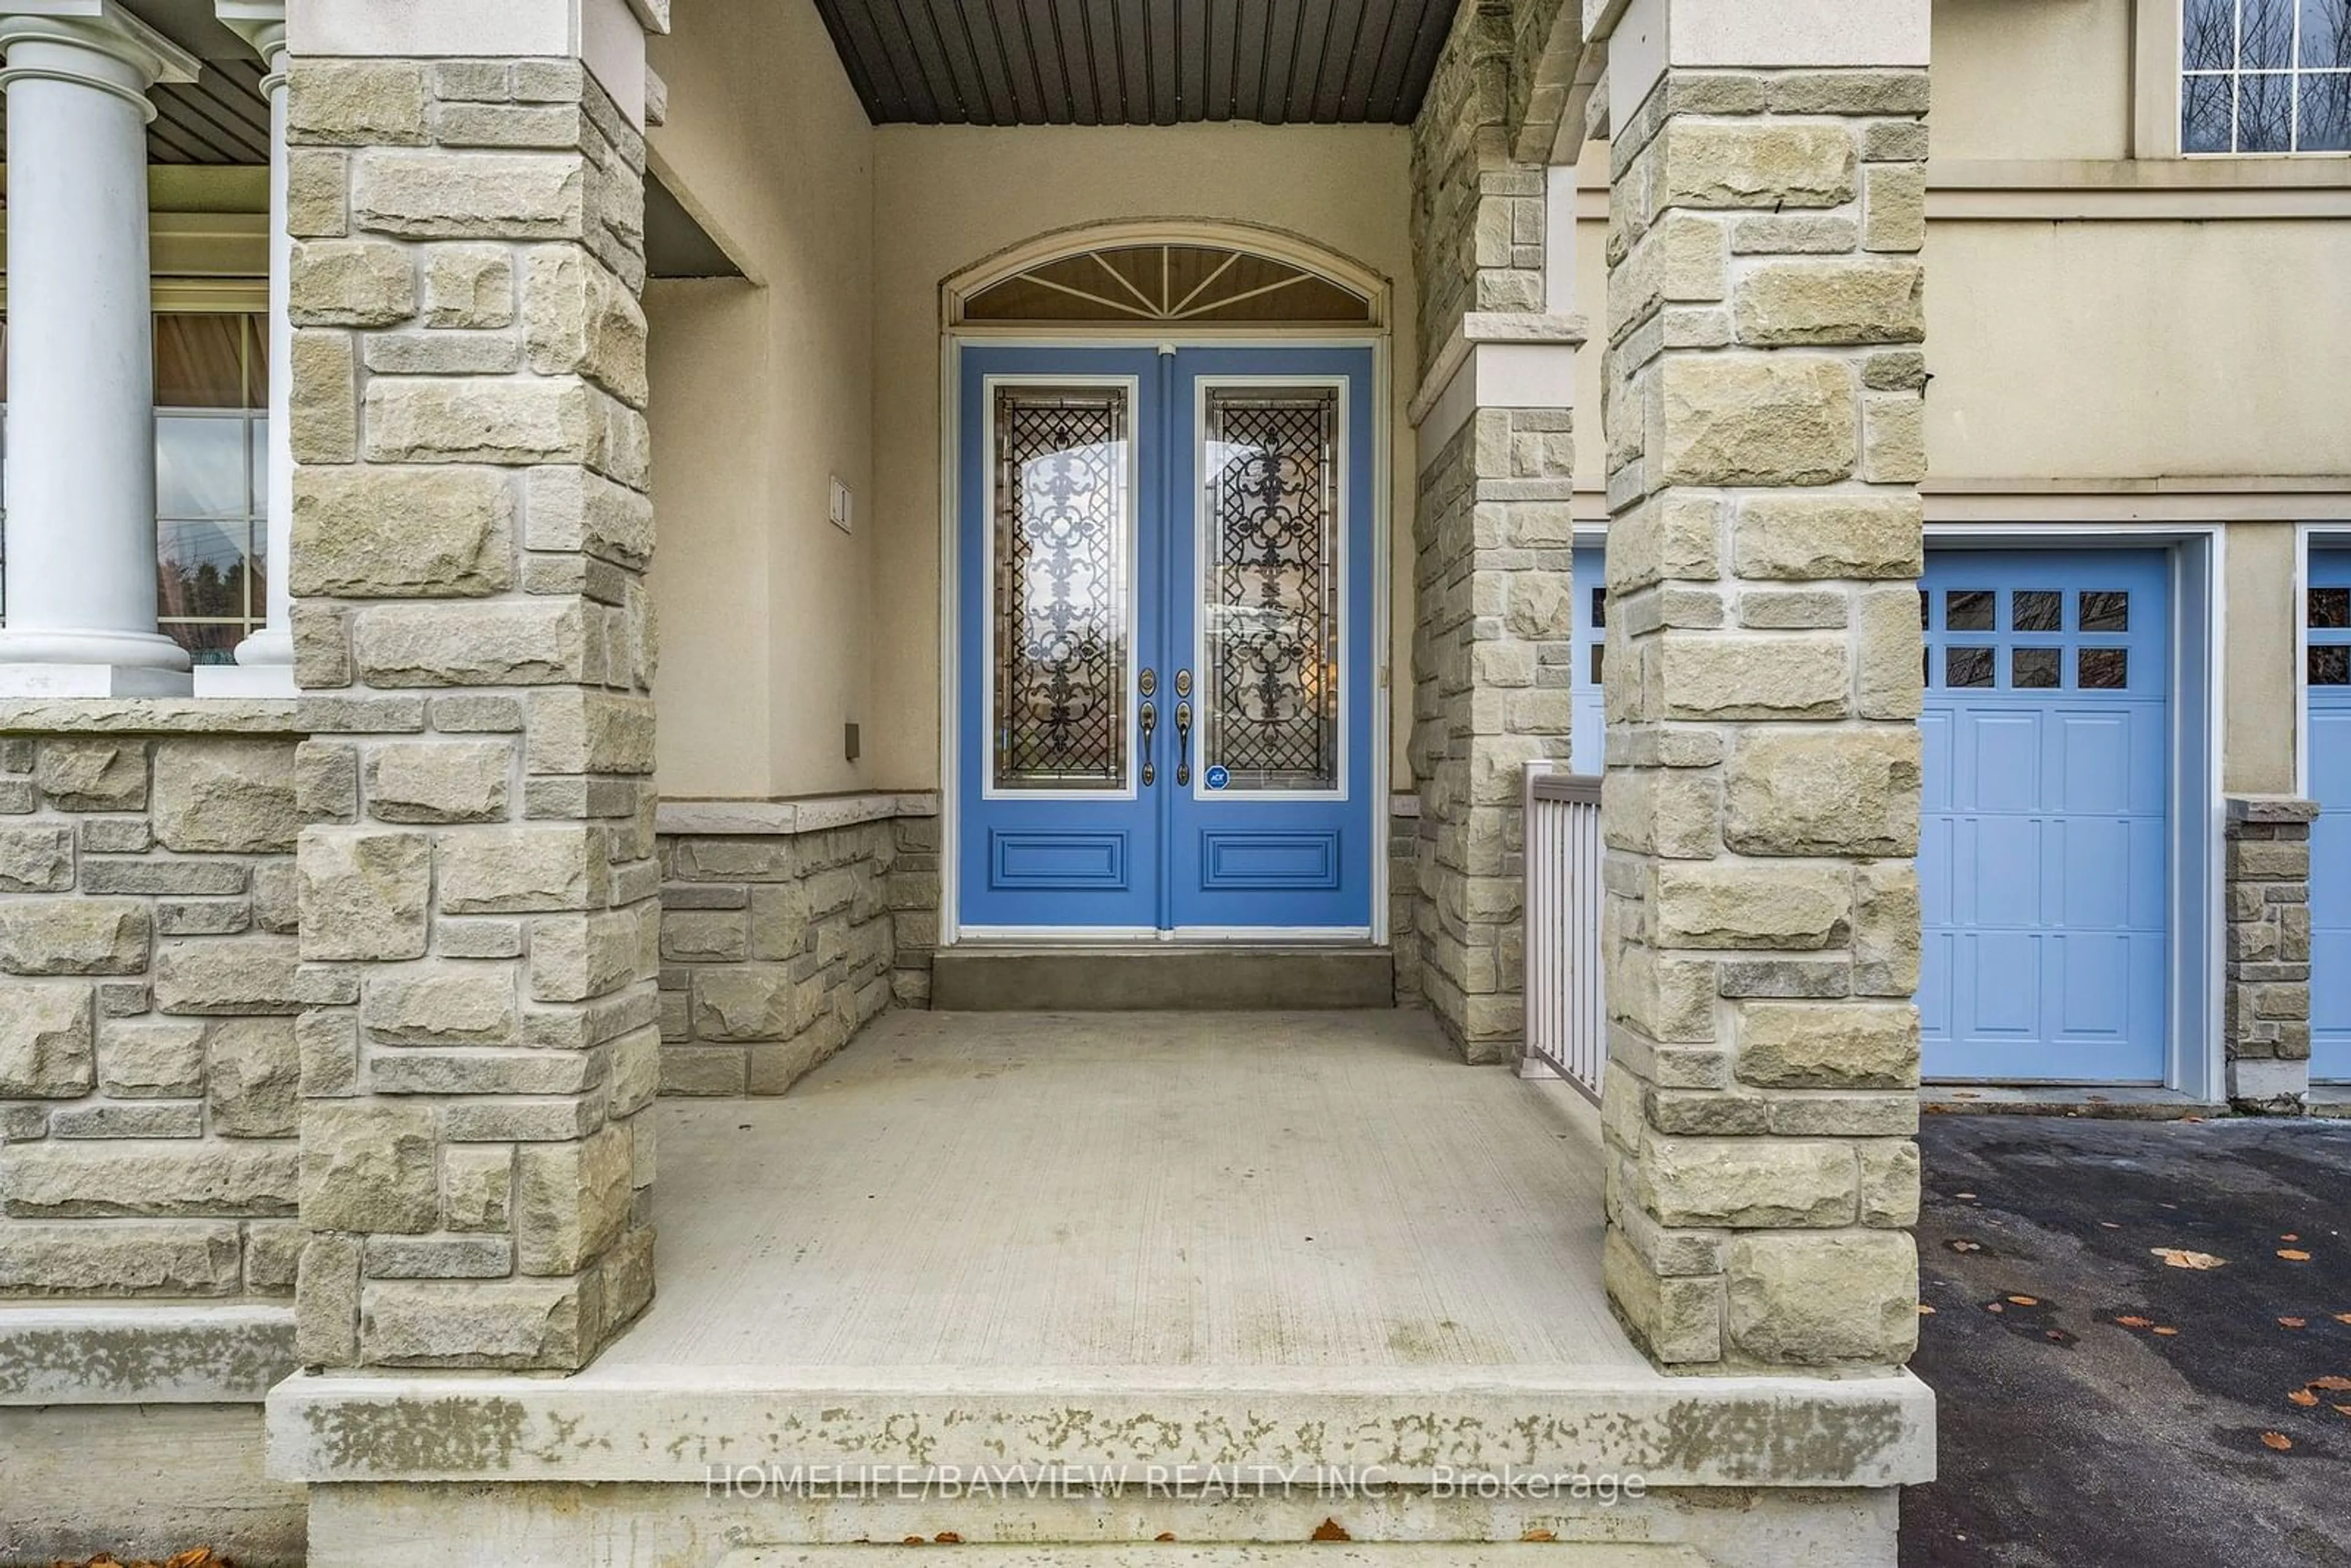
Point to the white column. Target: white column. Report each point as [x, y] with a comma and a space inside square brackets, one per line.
[265, 661]
[81, 384]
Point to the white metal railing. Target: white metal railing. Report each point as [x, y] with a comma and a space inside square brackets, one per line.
[1567, 1016]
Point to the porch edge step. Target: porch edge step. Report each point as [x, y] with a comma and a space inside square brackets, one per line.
[1215, 1554]
[1161, 979]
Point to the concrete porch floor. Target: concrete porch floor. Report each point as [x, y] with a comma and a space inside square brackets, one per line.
[1301, 1251]
[1155, 1189]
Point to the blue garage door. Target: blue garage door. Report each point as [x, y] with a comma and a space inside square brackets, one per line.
[2042, 858]
[2329, 664]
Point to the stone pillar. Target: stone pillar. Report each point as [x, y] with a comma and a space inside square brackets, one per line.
[265, 660]
[81, 379]
[1765, 387]
[479, 910]
[1493, 539]
[2265, 1006]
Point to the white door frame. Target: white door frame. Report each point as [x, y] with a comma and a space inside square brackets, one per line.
[1381, 500]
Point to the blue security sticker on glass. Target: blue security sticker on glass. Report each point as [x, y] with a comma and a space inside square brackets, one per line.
[1218, 778]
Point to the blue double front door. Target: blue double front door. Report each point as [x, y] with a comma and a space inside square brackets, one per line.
[1165, 666]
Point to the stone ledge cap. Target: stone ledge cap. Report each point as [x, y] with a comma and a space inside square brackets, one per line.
[801, 814]
[2271, 808]
[151, 716]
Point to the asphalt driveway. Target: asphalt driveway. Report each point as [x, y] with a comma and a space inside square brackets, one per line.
[2140, 1341]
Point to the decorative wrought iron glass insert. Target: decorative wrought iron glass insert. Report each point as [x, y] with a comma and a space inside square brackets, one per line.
[1271, 587]
[1063, 583]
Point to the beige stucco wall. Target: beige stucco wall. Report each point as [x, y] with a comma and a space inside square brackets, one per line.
[2259, 720]
[762, 393]
[945, 197]
[2029, 78]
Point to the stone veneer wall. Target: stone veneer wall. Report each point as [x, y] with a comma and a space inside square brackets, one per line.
[479, 893]
[148, 1072]
[1765, 413]
[1493, 548]
[2265, 1005]
[785, 929]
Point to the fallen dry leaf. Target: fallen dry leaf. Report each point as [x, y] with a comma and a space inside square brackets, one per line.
[2277, 1440]
[1164, 1535]
[2024, 1301]
[2293, 1255]
[2181, 1258]
[2331, 1383]
[2303, 1397]
[1964, 1197]
[1962, 1244]
[949, 1538]
[2342, 1410]
[2293, 1322]
[1540, 1535]
[1994, 1307]
[2167, 1333]
[1330, 1530]
[2289, 1236]
[2109, 1225]
[2343, 1317]
[1925, 1311]
[2135, 1323]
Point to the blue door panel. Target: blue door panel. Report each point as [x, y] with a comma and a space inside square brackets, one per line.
[1588, 713]
[2043, 863]
[2328, 672]
[1165, 853]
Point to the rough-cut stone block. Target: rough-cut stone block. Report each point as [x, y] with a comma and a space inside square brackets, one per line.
[187, 1259]
[1895, 202]
[504, 642]
[203, 1181]
[441, 1004]
[435, 420]
[348, 102]
[253, 1078]
[578, 731]
[324, 420]
[516, 1324]
[403, 533]
[247, 975]
[1755, 419]
[351, 283]
[571, 1201]
[537, 869]
[480, 196]
[225, 797]
[574, 957]
[1821, 1300]
[68, 935]
[1771, 165]
[469, 287]
[745, 1002]
[1833, 1045]
[364, 894]
[571, 508]
[147, 1059]
[1748, 1182]
[37, 859]
[368, 1166]
[1734, 904]
[92, 775]
[1846, 791]
[1894, 439]
[45, 1042]
[1842, 535]
[442, 781]
[582, 320]
[1786, 677]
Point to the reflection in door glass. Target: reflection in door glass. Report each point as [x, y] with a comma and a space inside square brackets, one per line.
[1271, 595]
[1063, 530]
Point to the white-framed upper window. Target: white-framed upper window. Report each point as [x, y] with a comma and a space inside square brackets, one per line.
[2265, 76]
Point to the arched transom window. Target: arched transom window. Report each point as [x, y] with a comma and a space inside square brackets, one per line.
[1170, 282]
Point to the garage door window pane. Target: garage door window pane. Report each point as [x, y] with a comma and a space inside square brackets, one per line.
[1967, 666]
[2104, 611]
[2330, 608]
[2033, 669]
[2102, 669]
[1969, 609]
[2331, 667]
[2037, 610]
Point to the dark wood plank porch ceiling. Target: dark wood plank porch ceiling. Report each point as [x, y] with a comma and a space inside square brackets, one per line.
[1138, 62]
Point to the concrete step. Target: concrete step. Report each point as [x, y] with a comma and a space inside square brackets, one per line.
[1255, 1555]
[987, 979]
